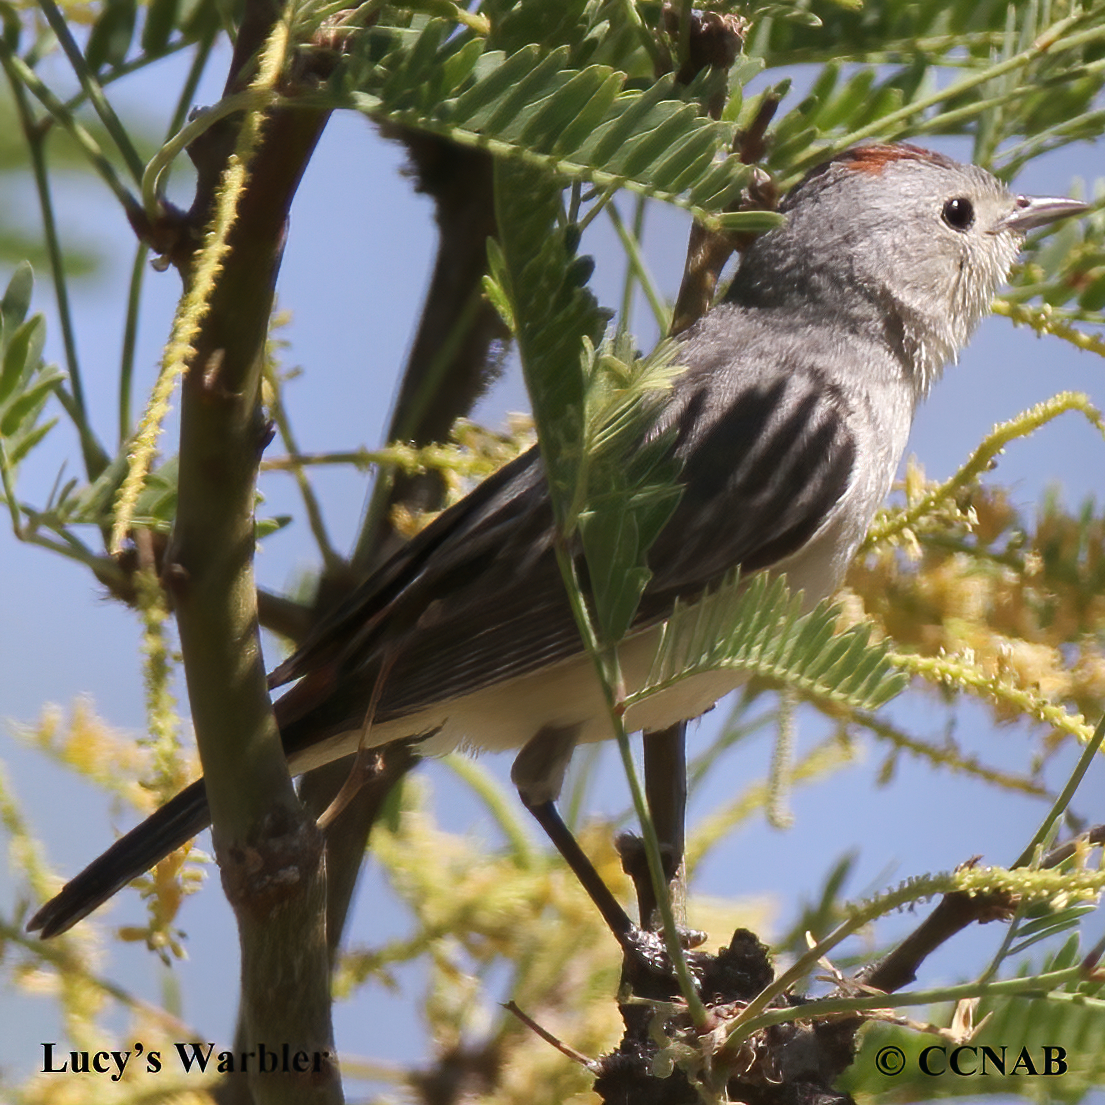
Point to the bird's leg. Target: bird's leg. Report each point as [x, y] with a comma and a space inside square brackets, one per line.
[616, 918]
[538, 773]
[666, 794]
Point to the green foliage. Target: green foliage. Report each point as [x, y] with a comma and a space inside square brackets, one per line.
[1073, 1015]
[111, 35]
[1028, 78]
[577, 124]
[756, 626]
[592, 407]
[161, 18]
[552, 313]
[26, 382]
[626, 489]
[1072, 1018]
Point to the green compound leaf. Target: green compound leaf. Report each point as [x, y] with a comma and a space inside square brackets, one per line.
[584, 124]
[756, 626]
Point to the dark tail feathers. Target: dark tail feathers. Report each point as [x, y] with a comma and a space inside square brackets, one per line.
[130, 856]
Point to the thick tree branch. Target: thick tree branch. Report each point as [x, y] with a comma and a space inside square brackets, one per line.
[269, 850]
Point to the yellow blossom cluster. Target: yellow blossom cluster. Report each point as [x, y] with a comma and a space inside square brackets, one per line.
[1022, 600]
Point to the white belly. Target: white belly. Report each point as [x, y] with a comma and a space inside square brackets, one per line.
[567, 695]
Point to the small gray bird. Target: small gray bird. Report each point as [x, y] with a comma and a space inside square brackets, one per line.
[789, 421]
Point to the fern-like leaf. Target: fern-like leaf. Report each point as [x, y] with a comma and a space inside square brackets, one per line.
[758, 627]
[610, 485]
[580, 124]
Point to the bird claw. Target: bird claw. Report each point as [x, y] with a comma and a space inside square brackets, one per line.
[648, 949]
[647, 968]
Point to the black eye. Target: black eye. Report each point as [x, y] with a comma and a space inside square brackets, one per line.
[959, 213]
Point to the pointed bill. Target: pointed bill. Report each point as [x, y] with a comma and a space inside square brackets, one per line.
[1032, 211]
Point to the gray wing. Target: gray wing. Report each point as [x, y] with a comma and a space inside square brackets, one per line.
[477, 597]
[767, 455]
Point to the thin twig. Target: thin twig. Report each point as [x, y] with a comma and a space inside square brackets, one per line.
[92, 87]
